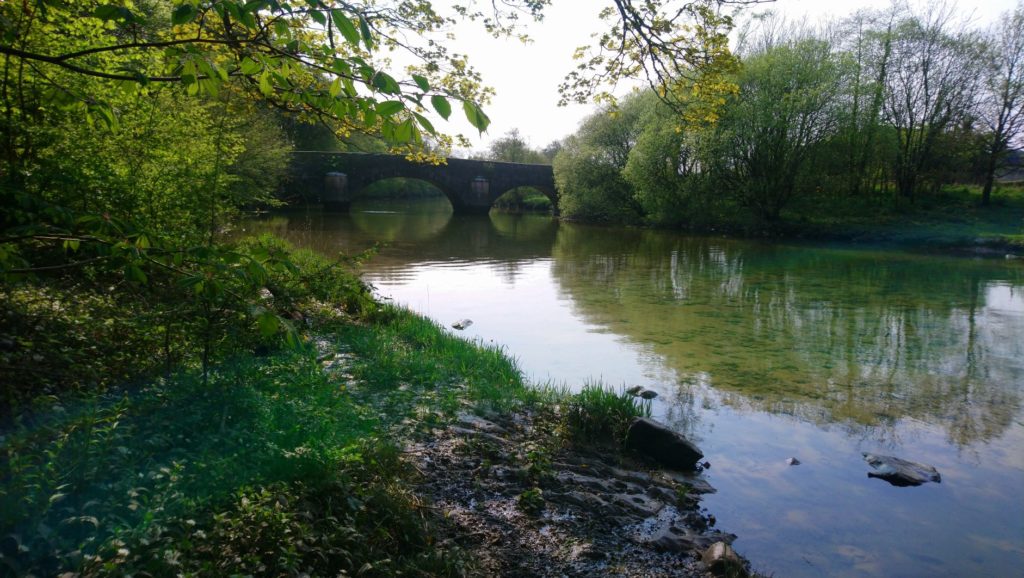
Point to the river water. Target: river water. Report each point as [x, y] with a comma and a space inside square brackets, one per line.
[759, 352]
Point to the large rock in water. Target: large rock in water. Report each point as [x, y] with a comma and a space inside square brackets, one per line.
[661, 444]
[899, 472]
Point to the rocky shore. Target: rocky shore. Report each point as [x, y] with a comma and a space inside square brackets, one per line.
[521, 505]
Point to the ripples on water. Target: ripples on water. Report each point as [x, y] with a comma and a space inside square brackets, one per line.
[761, 352]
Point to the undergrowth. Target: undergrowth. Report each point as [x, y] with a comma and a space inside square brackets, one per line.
[282, 461]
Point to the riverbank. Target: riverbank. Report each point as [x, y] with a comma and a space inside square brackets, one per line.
[950, 221]
[310, 460]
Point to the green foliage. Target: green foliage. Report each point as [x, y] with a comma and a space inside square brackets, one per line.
[588, 167]
[880, 109]
[513, 148]
[597, 413]
[531, 502]
[270, 467]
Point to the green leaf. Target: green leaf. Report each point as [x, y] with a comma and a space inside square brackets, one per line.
[344, 25]
[389, 107]
[383, 82]
[364, 27]
[183, 14]
[441, 105]
[265, 87]
[318, 17]
[110, 12]
[250, 66]
[475, 116]
[426, 124]
[133, 272]
[421, 82]
[267, 323]
[335, 89]
[405, 132]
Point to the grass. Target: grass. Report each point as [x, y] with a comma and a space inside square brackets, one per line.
[953, 216]
[287, 462]
[598, 413]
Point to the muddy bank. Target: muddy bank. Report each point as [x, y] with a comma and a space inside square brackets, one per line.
[522, 505]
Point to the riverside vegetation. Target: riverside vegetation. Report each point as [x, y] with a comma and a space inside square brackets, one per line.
[176, 403]
[166, 408]
[281, 462]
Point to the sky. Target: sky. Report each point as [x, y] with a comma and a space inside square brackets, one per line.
[526, 76]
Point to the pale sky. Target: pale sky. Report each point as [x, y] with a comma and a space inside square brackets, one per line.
[526, 77]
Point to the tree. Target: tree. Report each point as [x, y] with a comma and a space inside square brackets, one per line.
[681, 49]
[513, 148]
[785, 108]
[1001, 102]
[667, 167]
[930, 86]
[588, 169]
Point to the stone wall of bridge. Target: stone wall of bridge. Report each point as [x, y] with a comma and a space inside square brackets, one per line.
[471, 186]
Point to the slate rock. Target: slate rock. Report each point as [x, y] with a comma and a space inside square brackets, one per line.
[900, 472]
[661, 444]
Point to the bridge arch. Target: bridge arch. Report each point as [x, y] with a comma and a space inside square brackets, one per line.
[471, 186]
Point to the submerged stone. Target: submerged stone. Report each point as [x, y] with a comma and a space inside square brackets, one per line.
[900, 472]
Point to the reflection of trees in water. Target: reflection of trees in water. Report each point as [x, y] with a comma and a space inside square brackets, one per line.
[862, 338]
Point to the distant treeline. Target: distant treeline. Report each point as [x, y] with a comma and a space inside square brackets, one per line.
[883, 107]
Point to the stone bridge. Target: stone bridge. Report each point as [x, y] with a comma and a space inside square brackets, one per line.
[472, 186]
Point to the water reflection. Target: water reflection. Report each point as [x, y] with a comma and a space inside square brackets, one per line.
[760, 351]
[857, 338]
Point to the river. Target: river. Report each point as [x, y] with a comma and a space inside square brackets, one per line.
[759, 352]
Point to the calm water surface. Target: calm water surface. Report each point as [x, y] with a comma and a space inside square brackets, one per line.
[759, 352]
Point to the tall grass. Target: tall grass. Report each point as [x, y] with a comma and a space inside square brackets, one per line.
[600, 413]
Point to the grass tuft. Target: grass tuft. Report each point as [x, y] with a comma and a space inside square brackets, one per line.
[598, 413]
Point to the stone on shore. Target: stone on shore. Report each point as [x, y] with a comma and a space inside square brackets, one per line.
[722, 560]
[900, 472]
[661, 444]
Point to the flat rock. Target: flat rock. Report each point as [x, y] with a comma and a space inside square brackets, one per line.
[661, 444]
[478, 423]
[900, 472]
[638, 503]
